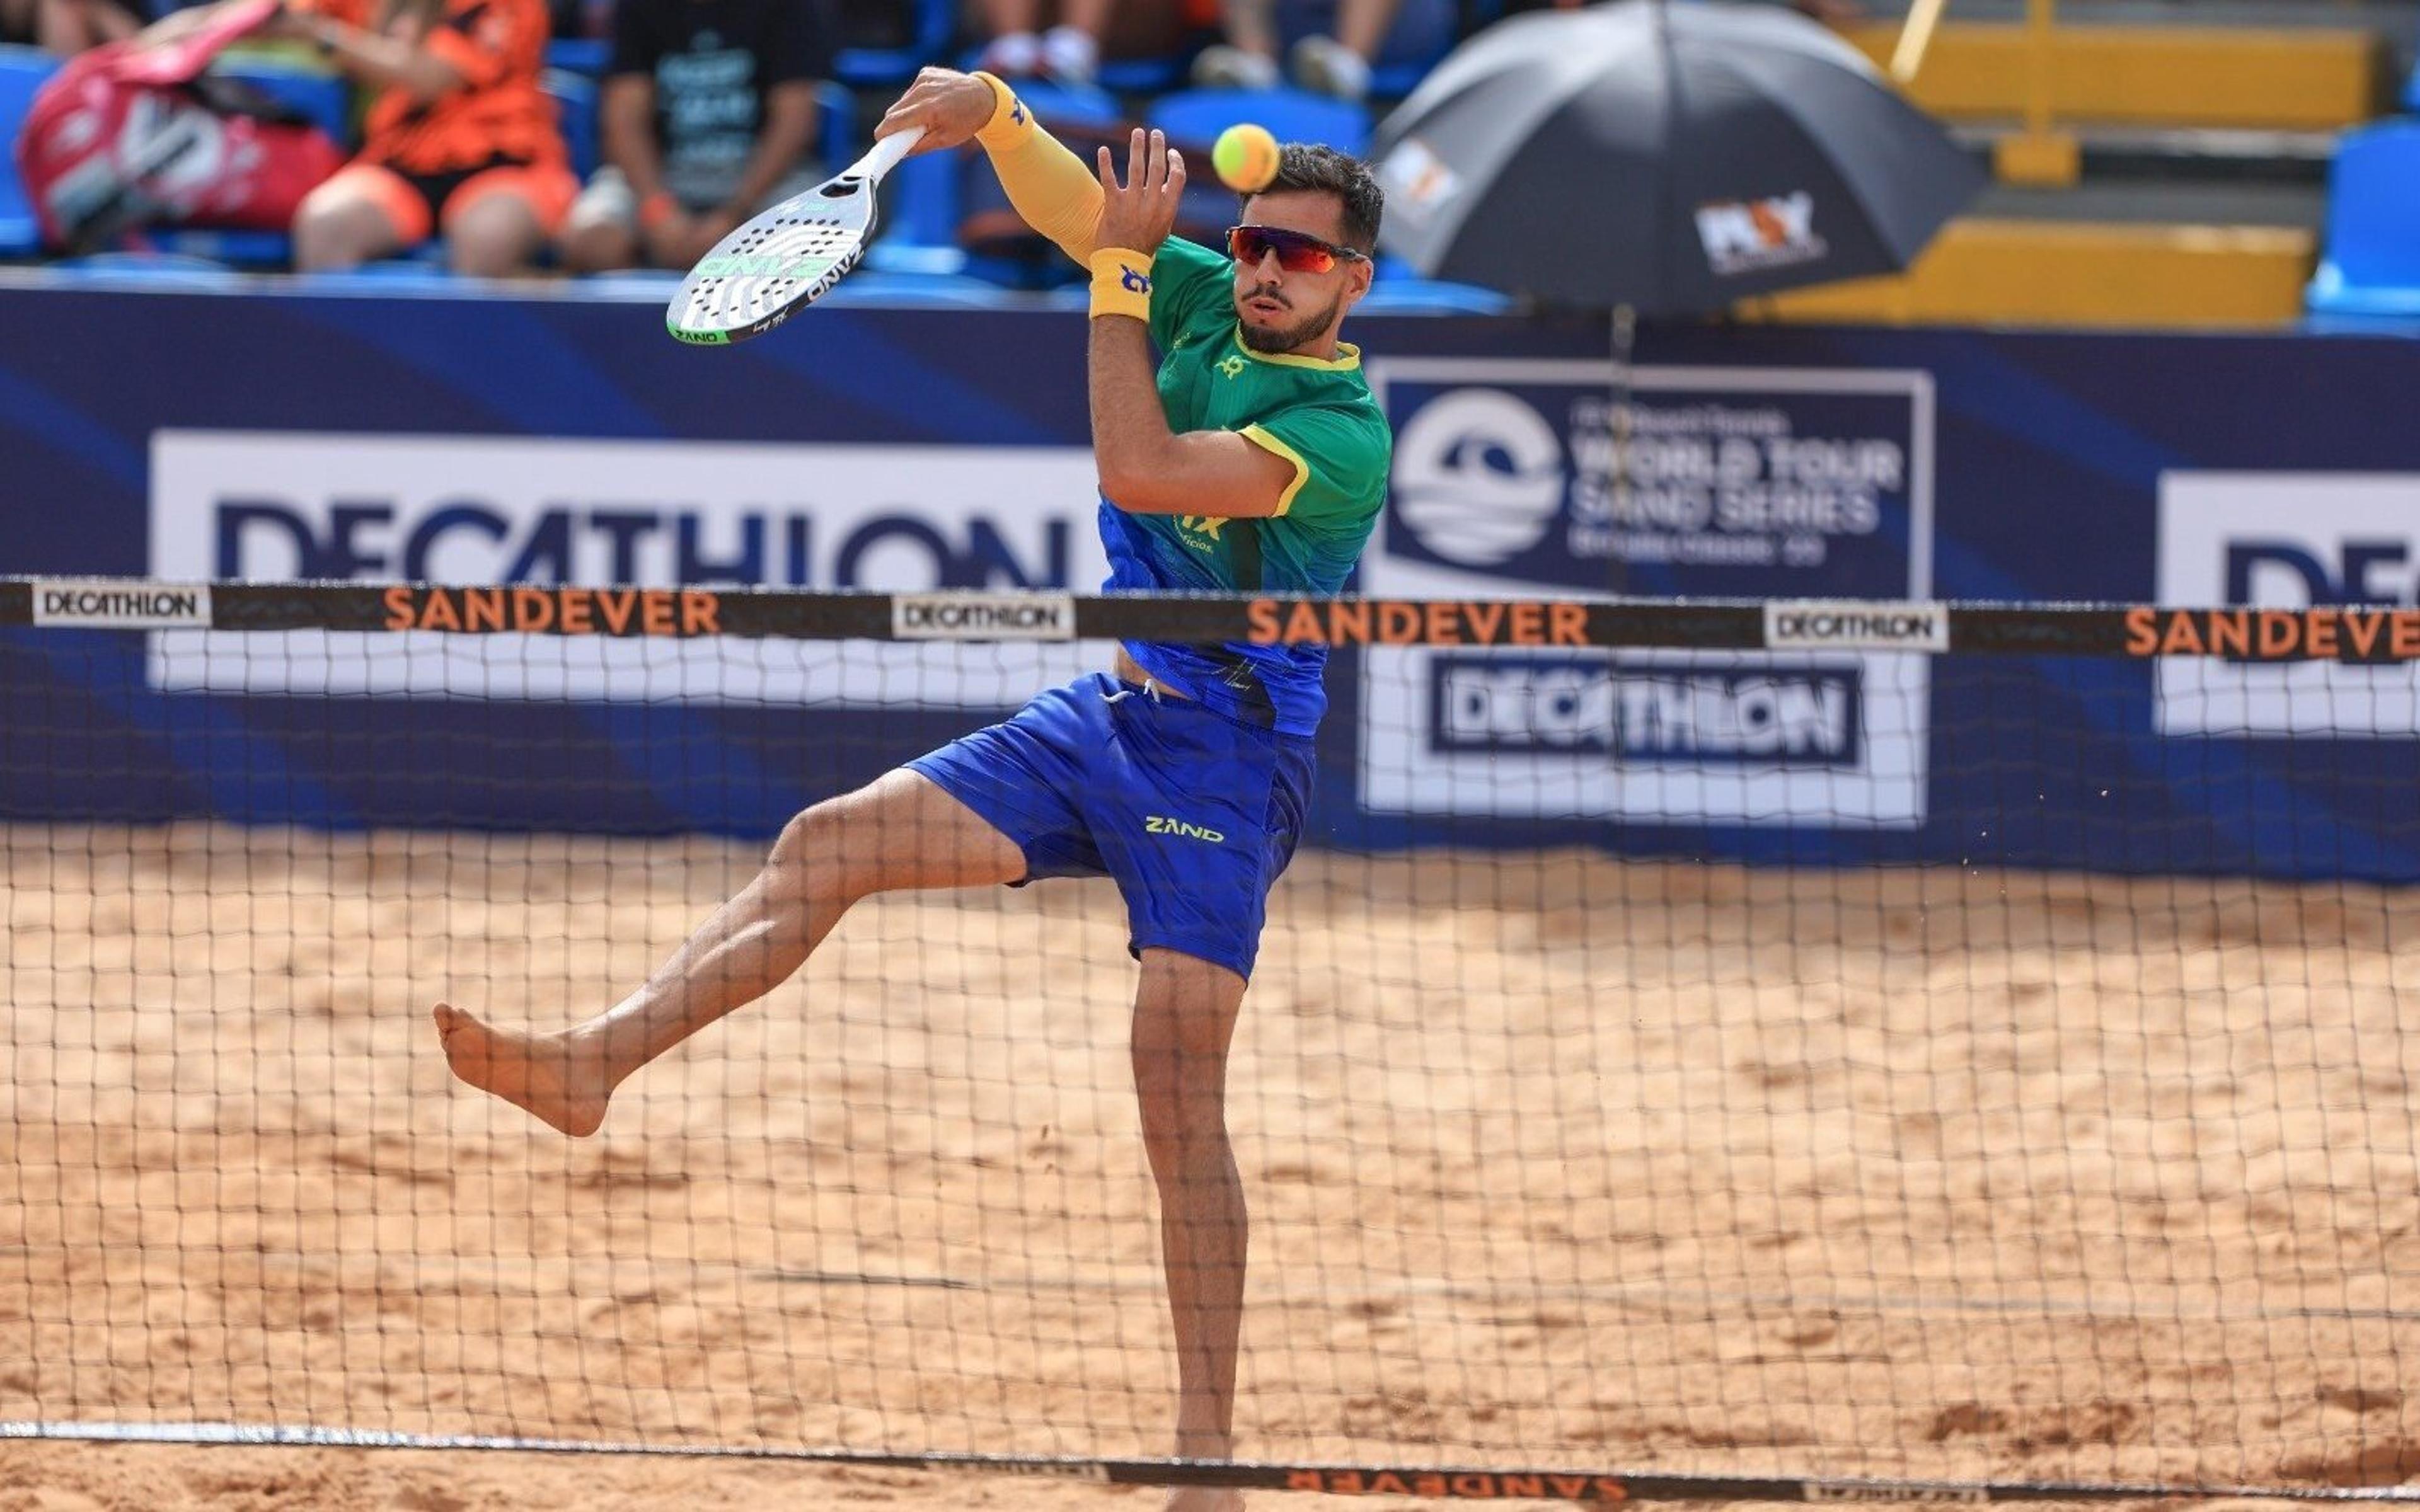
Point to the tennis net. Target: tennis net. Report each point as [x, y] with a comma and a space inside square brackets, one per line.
[1701, 1049]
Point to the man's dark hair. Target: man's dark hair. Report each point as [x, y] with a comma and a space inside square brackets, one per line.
[1308, 166]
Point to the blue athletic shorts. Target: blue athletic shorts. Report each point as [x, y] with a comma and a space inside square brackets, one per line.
[1192, 813]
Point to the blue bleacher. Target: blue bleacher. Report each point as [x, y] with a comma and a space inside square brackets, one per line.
[323, 98]
[1423, 36]
[2370, 263]
[23, 70]
[922, 206]
[875, 68]
[317, 95]
[579, 54]
[1198, 116]
[575, 112]
[922, 202]
[577, 99]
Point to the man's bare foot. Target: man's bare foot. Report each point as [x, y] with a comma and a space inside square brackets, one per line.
[552, 1076]
[1204, 1499]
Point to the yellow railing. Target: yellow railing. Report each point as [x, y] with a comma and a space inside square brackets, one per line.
[2040, 154]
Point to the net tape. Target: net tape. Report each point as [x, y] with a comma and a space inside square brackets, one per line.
[2348, 634]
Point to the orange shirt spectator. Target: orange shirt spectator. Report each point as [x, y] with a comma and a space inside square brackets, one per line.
[459, 139]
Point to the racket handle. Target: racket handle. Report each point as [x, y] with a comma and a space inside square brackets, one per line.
[885, 154]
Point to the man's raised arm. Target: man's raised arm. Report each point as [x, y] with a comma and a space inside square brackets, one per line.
[1051, 186]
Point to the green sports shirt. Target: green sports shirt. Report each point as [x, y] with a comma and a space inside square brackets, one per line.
[1316, 414]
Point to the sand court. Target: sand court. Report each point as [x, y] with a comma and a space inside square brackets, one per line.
[1554, 1158]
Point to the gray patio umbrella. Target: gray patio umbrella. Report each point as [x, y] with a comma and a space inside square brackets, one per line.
[1669, 161]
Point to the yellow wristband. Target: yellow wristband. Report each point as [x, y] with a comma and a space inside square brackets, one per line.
[1120, 283]
[1010, 123]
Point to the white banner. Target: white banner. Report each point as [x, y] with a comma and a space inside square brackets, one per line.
[485, 510]
[1751, 482]
[2288, 540]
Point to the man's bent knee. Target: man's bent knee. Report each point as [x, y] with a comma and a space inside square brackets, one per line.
[898, 832]
[808, 860]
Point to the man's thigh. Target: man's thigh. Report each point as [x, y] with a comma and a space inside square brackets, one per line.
[902, 831]
[1028, 775]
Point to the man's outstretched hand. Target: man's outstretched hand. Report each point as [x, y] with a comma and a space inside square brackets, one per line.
[1139, 214]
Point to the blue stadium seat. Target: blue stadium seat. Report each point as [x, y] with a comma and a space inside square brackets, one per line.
[873, 67]
[577, 99]
[1424, 32]
[238, 248]
[923, 200]
[23, 70]
[1428, 295]
[575, 104]
[579, 54]
[952, 291]
[1146, 75]
[153, 267]
[320, 97]
[2371, 261]
[1198, 116]
[837, 125]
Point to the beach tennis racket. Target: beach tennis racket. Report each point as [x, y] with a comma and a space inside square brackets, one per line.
[784, 260]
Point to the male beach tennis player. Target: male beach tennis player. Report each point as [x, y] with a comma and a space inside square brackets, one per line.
[1250, 456]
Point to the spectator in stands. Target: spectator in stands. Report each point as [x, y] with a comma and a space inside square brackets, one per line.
[1830, 12]
[709, 115]
[1333, 59]
[1069, 52]
[64, 27]
[460, 140]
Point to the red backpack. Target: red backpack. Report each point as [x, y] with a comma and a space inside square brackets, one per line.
[133, 134]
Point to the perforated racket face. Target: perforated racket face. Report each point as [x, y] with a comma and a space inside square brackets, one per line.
[776, 264]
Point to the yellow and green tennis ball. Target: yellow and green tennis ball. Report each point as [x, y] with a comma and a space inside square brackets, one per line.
[1246, 156]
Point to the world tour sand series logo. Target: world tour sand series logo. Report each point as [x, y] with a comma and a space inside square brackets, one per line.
[1810, 490]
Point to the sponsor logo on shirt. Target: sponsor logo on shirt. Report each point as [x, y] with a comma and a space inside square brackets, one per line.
[1232, 367]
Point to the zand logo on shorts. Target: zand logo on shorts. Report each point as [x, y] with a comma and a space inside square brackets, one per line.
[1155, 824]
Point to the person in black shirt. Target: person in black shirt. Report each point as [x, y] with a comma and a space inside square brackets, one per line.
[708, 115]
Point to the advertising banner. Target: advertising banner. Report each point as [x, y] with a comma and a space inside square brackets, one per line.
[1843, 480]
[2288, 540]
[474, 510]
[1531, 477]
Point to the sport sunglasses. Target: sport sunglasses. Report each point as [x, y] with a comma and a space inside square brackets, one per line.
[1296, 253]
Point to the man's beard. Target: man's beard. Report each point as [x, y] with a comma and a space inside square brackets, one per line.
[1263, 339]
